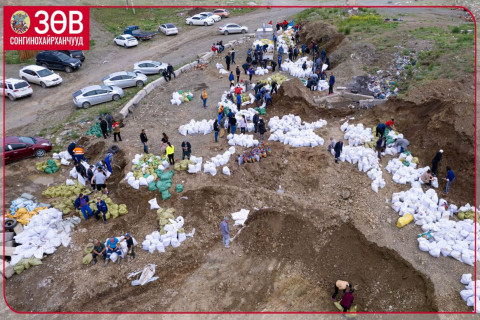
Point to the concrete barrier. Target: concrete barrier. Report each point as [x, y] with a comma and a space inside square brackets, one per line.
[355, 96]
[7, 252]
[371, 102]
[8, 269]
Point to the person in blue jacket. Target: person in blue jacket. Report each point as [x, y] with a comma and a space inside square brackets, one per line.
[274, 41]
[380, 129]
[82, 204]
[101, 208]
[279, 62]
[450, 178]
[323, 55]
[231, 79]
[331, 82]
[239, 101]
[70, 148]
[108, 160]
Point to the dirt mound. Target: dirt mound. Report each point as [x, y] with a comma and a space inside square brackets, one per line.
[323, 256]
[325, 35]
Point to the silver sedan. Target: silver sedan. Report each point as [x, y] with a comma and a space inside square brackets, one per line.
[89, 96]
[149, 67]
[125, 79]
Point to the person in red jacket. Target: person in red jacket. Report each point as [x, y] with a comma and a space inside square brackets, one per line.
[214, 48]
[347, 299]
[390, 124]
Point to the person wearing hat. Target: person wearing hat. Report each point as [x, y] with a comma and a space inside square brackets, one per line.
[186, 149]
[101, 208]
[130, 246]
[113, 246]
[225, 232]
[435, 161]
[390, 124]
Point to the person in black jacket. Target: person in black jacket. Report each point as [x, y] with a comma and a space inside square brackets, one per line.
[274, 87]
[381, 146]
[274, 65]
[435, 161]
[255, 121]
[227, 61]
[90, 176]
[166, 75]
[237, 70]
[245, 68]
[338, 149]
[104, 127]
[261, 128]
[144, 139]
[216, 129]
[171, 71]
[80, 169]
[186, 149]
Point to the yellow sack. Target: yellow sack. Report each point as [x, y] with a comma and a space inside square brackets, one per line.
[403, 221]
[87, 259]
[350, 312]
[88, 248]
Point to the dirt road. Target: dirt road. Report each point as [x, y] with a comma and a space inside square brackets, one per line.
[53, 105]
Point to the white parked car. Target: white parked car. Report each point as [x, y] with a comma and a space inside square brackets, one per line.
[168, 29]
[211, 15]
[39, 75]
[232, 28]
[16, 88]
[149, 67]
[126, 40]
[199, 20]
[125, 79]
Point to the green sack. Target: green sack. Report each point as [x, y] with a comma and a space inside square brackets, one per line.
[87, 259]
[164, 185]
[18, 268]
[167, 175]
[407, 153]
[166, 195]
[34, 261]
[406, 163]
[152, 186]
[178, 188]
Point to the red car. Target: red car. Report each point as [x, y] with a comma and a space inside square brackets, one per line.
[17, 148]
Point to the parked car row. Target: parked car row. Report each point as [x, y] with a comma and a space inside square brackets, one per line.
[207, 18]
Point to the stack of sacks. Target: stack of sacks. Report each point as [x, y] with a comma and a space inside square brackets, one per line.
[466, 212]
[263, 42]
[295, 68]
[403, 174]
[450, 238]
[209, 167]
[297, 138]
[45, 232]
[243, 140]
[197, 167]
[260, 71]
[171, 233]
[356, 135]
[193, 127]
[176, 99]
[322, 85]
[145, 171]
[468, 295]
[63, 156]
[226, 103]
[290, 122]
[218, 160]
[367, 161]
[247, 99]
[248, 113]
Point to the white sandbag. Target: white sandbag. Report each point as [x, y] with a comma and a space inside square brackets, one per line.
[74, 173]
[226, 171]
[160, 247]
[166, 242]
[466, 278]
[64, 162]
[435, 252]
[114, 257]
[182, 237]
[81, 180]
[136, 185]
[465, 294]
[175, 243]
[69, 182]
[142, 182]
[153, 204]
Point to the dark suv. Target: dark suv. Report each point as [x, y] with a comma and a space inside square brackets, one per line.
[77, 54]
[57, 60]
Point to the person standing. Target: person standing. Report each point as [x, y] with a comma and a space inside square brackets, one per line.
[338, 149]
[331, 145]
[130, 246]
[90, 176]
[261, 128]
[110, 121]
[274, 65]
[233, 124]
[100, 178]
[82, 204]
[238, 72]
[297, 37]
[232, 54]
[231, 79]
[116, 131]
[244, 67]
[280, 62]
[101, 208]
[98, 250]
[204, 97]
[104, 127]
[170, 153]
[449, 178]
[381, 146]
[274, 41]
[331, 82]
[186, 149]
[144, 140]
[268, 99]
[340, 285]
[435, 161]
[255, 121]
[216, 129]
[239, 101]
[228, 59]
[165, 75]
[250, 73]
[225, 232]
[243, 124]
[171, 71]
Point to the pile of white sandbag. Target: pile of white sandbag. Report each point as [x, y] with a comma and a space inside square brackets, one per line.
[248, 113]
[218, 160]
[468, 295]
[176, 99]
[228, 103]
[259, 71]
[450, 238]
[142, 181]
[197, 167]
[367, 161]
[193, 127]
[243, 140]
[45, 232]
[290, 122]
[356, 135]
[295, 67]
[240, 217]
[403, 174]
[261, 43]
[74, 174]
[172, 234]
[63, 156]
[297, 138]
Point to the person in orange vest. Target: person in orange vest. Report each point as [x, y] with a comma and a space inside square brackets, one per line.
[204, 98]
[79, 153]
